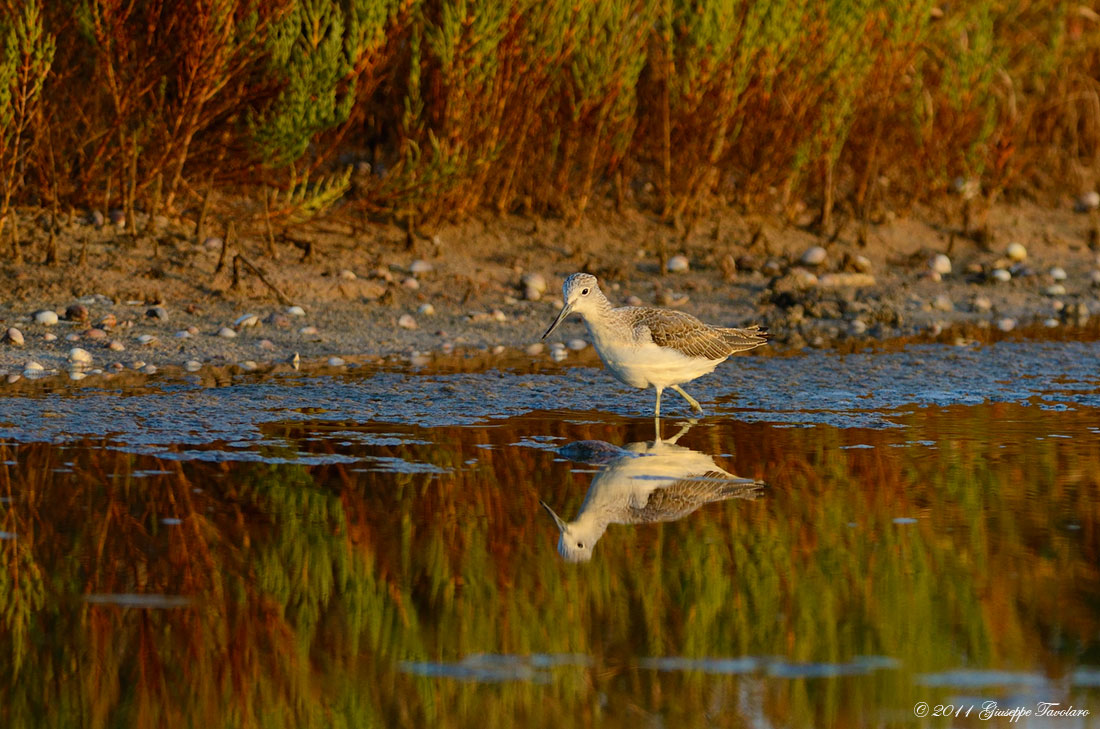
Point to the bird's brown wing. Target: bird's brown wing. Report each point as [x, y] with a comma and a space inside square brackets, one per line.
[692, 338]
[682, 497]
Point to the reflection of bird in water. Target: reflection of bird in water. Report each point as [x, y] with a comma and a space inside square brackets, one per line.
[643, 483]
[647, 347]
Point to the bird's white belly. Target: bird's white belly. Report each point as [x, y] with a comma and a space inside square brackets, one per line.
[646, 365]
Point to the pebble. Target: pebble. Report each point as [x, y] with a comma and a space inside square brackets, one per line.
[426, 310]
[45, 317]
[336, 362]
[76, 374]
[411, 284]
[12, 379]
[1016, 252]
[347, 274]
[1089, 201]
[382, 273]
[32, 366]
[771, 267]
[498, 349]
[1051, 323]
[420, 266]
[248, 365]
[116, 346]
[246, 320]
[1094, 278]
[117, 217]
[308, 330]
[1057, 305]
[577, 345]
[149, 369]
[137, 364]
[1007, 324]
[1058, 273]
[193, 330]
[846, 280]
[499, 315]
[213, 242]
[146, 339]
[943, 303]
[14, 336]
[804, 278]
[95, 334]
[406, 322]
[941, 264]
[80, 356]
[1055, 290]
[862, 264]
[858, 326]
[192, 365]
[531, 294]
[814, 256]
[1001, 275]
[558, 354]
[117, 366]
[534, 281]
[226, 332]
[295, 361]
[534, 349]
[96, 218]
[279, 320]
[633, 301]
[183, 334]
[295, 311]
[266, 344]
[678, 264]
[981, 304]
[107, 322]
[76, 312]
[157, 312]
[49, 336]
[74, 337]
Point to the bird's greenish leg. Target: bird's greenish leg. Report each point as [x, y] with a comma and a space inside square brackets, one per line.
[657, 407]
[691, 401]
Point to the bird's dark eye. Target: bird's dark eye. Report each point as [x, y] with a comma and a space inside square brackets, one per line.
[580, 545]
[584, 292]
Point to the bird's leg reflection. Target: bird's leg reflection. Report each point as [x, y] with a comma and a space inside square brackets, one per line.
[640, 483]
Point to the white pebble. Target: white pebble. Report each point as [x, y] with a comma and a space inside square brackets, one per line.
[149, 369]
[336, 362]
[15, 337]
[137, 364]
[246, 320]
[426, 310]
[862, 264]
[558, 354]
[499, 349]
[72, 337]
[499, 315]
[1057, 304]
[295, 311]
[941, 264]
[678, 264]
[12, 379]
[805, 279]
[858, 326]
[577, 344]
[212, 242]
[116, 346]
[266, 344]
[49, 336]
[419, 266]
[1001, 275]
[1050, 323]
[1058, 273]
[943, 303]
[80, 356]
[45, 317]
[633, 301]
[1016, 252]
[32, 366]
[530, 293]
[295, 360]
[226, 332]
[183, 334]
[1055, 290]
[347, 275]
[1089, 201]
[192, 365]
[248, 365]
[193, 330]
[535, 281]
[76, 374]
[982, 303]
[406, 322]
[534, 349]
[308, 330]
[1094, 278]
[146, 339]
[411, 284]
[1007, 324]
[814, 256]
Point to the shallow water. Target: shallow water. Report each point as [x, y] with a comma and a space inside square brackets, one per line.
[368, 548]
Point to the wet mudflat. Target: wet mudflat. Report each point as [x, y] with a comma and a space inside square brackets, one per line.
[841, 538]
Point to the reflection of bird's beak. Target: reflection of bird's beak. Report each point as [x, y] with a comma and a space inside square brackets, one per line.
[557, 519]
[565, 311]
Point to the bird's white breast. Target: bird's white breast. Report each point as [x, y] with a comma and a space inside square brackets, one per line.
[644, 364]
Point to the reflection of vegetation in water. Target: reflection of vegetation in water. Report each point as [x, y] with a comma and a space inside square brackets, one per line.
[312, 584]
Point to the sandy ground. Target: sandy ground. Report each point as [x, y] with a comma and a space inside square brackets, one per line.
[462, 287]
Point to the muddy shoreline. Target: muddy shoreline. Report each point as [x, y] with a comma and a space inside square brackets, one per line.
[484, 292]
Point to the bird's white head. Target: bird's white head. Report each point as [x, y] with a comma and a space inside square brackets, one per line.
[581, 294]
[574, 545]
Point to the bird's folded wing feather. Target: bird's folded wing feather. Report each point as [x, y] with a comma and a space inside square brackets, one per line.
[682, 497]
[692, 338]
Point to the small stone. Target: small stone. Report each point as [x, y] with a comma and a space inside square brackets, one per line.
[419, 266]
[1089, 201]
[12, 379]
[1051, 323]
[846, 280]
[295, 311]
[1000, 275]
[534, 349]
[76, 312]
[858, 326]
[1006, 324]
[183, 334]
[117, 217]
[577, 345]
[80, 356]
[814, 256]
[157, 312]
[308, 330]
[107, 322]
[137, 364]
[248, 365]
[534, 281]
[192, 365]
[227, 333]
[117, 366]
[406, 321]
[96, 218]
[245, 320]
[336, 362]
[266, 344]
[1058, 273]
[14, 336]
[76, 374]
[862, 264]
[72, 337]
[426, 310]
[1094, 278]
[145, 339]
[941, 264]
[411, 284]
[280, 320]
[558, 354]
[1055, 290]
[532, 294]
[499, 315]
[1016, 252]
[1057, 305]
[943, 303]
[383, 274]
[95, 334]
[49, 337]
[633, 301]
[116, 346]
[498, 349]
[45, 317]
[149, 369]
[678, 264]
[32, 366]
[295, 360]
[981, 304]
[347, 274]
[193, 330]
[213, 243]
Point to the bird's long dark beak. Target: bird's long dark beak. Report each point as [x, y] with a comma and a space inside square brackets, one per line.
[557, 519]
[565, 311]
